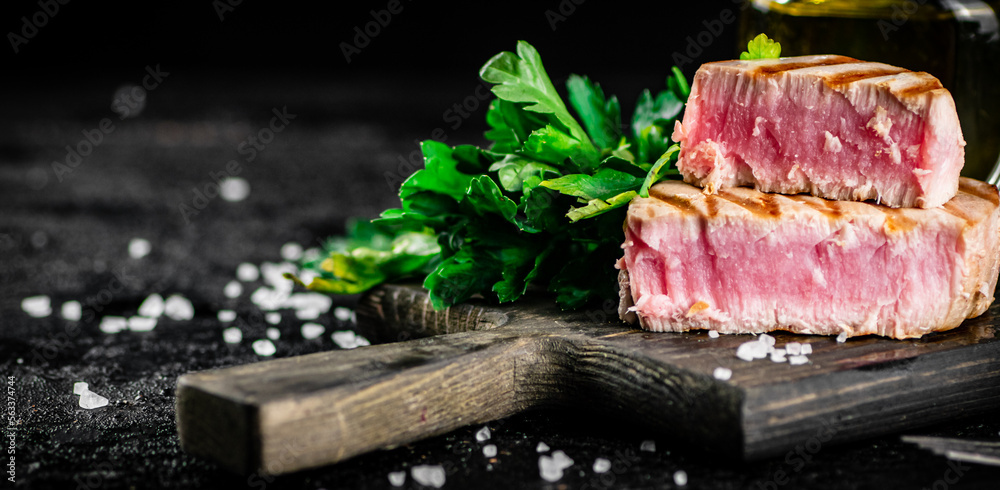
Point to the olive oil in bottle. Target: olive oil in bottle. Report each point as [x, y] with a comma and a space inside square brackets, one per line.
[958, 41]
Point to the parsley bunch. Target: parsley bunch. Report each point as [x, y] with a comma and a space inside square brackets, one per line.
[543, 206]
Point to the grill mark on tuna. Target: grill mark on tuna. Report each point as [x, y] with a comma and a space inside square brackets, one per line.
[680, 202]
[841, 79]
[831, 209]
[783, 67]
[986, 193]
[766, 206]
[927, 83]
[897, 220]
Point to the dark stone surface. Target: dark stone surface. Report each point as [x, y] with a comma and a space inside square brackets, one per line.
[69, 240]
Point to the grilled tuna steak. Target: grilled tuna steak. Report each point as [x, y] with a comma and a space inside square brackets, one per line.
[830, 126]
[742, 261]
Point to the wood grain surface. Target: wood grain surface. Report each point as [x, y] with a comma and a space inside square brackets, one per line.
[474, 362]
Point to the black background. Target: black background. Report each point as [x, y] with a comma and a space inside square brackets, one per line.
[355, 123]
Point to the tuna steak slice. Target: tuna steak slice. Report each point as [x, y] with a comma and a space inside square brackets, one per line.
[743, 261]
[830, 126]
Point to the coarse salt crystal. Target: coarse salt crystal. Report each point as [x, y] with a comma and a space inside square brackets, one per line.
[722, 373]
[312, 330]
[71, 310]
[113, 324]
[541, 447]
[428, 475]
[234, 189]
[273, 333]
[796, 360]
[141, 324]
[79, 387]
[601, 465]
[152, 306]
[842, 337]
[273, 317]
[766, 339]
[233, 289]
[551, 467]
[291, 251]
[90, 400]
[648, 446]
[226, 316]
[793, 348]
[263, 347]
[347, 339]
[397, 478]
[483, 434]
[247, 272]
[37, 306]
[342, 314]
[307, 314]
[490, 450]
[713, 334]
[139, 248]
[232, 335]
[680, 478]
[806, 349]
[178, 308]
[779, 358]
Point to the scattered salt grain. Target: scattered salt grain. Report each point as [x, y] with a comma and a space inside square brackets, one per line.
[806, 349]
[232, 335]
[312, 330]
[273, 318]
[273, 333]
[347, 339]
[541, 447]
[291, 251]
[307, 276]
[233, 289]
[722, 373]
[793, 348]
[71, 310]
[263, 347]
[234, 189]
[680, 478]
[113, 324]
[274, 275]
[551, 467]
[779, 358]
[178, 308]
[247, 272]
[139, 248]
[307, 314]
[601, 465]
[90, 400]
[397, 478]
[79, 388]
[428, 475]
[490, 450]
[766, 339]
[269, 299]
[796, 360]
[37, 306]
[341, 313]
[754, 349]
[842, 338]
[152, 306]
[648, 446]
[226, 316]
[141, 323]
[713, 334]
[483, 434]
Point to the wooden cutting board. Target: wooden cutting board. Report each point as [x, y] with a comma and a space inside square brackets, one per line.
[477, 363]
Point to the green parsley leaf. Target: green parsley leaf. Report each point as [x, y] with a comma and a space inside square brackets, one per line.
[760, 48]
[601, 116]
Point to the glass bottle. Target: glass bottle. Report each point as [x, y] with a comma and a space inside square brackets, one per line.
[958, 41]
